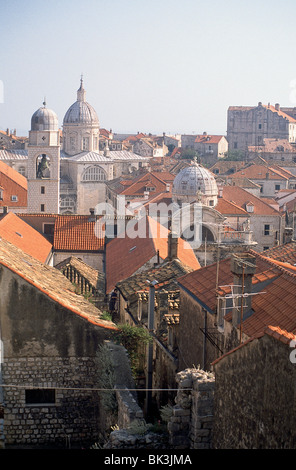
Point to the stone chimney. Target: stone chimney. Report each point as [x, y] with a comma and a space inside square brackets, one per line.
[92, 217]
[243, 268]
[277, 106]
[172, 246]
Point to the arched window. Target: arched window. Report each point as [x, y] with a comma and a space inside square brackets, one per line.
[43, 166]
[67, 203]
[22, 170]
[94, 173]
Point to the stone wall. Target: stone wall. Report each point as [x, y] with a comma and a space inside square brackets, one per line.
[192, 319]
[128, 408]
[255, 397]
[73, 419]
[190, 426]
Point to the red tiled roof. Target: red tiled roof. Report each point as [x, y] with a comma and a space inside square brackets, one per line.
[241, 197]
[124, 256]
[208, 139]
[13, 175]
[77, 233]
[279, 112]
[260, 172]
[227, 207]
[19, 233]
[156, 180]
[201, 284]
[51, 283]
[268, 107]
[13, 184]
[274, 331]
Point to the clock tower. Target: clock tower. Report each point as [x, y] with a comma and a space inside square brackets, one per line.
[44, 162]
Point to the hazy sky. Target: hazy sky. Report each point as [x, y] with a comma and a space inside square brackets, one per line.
[151, 66]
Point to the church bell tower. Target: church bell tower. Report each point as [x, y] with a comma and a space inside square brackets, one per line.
[44, 162]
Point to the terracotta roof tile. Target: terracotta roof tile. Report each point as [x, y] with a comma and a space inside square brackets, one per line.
[166, 275]
[50, 282]
[208, 139]
[125, 255]
[13, 175]
[230, 208]
[241, 197]
[92, 275]
[274, 331]
[77, 233]
[13, 184]
[157, 181]
[23, 236]
[259, 172]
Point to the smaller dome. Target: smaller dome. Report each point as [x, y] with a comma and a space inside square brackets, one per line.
[193, 180]
[44, 119]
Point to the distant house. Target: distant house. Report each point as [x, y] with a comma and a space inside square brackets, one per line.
[250, 125]
[142, 187]
[9, 140]
[13, 189]
[49, 340]
[266, 223]
[271, 179]
[211, 146]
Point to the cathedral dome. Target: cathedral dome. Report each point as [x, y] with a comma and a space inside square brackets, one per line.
[195, 180]
[81, 112]
[44, 119]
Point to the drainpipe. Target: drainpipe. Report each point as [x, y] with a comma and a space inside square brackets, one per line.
[205, 341]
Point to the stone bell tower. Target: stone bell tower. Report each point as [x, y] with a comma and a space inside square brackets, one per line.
[44, 162]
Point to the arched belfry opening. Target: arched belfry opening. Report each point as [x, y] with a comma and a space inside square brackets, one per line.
[43, 166]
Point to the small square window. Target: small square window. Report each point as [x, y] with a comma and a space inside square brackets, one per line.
[40, 396]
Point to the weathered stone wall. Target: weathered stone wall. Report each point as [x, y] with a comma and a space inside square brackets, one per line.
[47, 346]
[192, 318]
[128, 408]
[191, 424]
[255, 397]
[74, 418]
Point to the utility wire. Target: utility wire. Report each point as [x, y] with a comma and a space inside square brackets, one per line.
[34, 387]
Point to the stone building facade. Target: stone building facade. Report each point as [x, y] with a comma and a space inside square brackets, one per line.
[249, 125]
[49, 338]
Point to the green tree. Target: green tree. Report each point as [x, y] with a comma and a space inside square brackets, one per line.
[190, 154]
[134, 339]
[234, 155]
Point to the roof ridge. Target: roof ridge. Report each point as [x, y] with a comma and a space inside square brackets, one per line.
[277, 264]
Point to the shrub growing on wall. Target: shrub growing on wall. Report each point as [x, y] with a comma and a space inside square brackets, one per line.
[134, 339]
